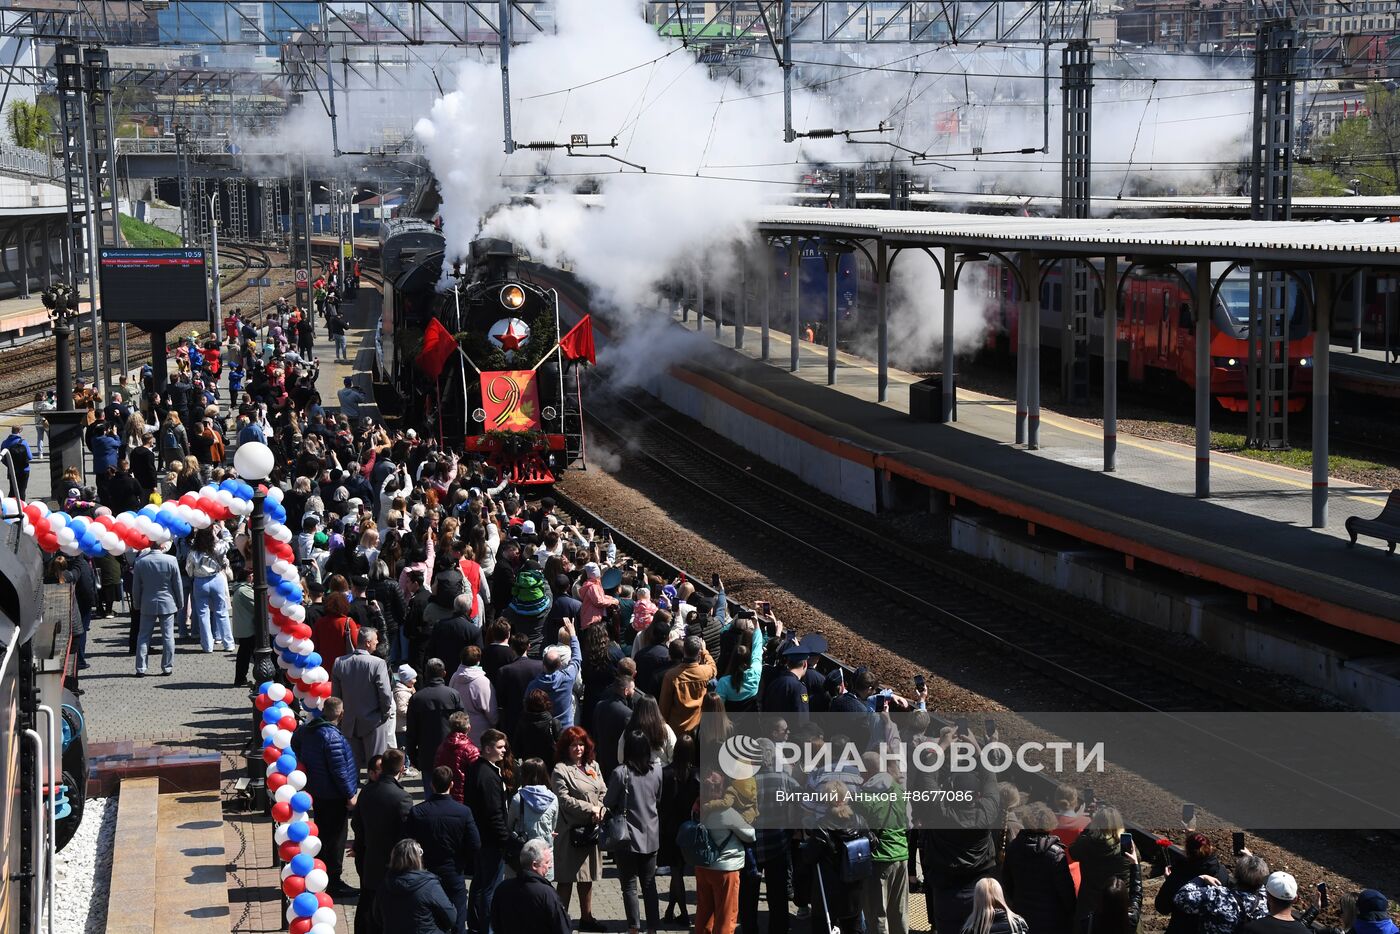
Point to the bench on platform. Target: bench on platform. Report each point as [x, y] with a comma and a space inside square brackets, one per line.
[1386, 526]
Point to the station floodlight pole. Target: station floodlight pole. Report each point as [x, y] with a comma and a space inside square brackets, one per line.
[217, 310]
[254, 462]
[789, 135]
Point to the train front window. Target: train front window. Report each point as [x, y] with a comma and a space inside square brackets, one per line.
[1234, 299]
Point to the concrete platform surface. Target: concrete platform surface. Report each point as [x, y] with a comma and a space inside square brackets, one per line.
[1251, 535]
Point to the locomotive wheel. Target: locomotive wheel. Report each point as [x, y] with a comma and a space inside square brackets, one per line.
[77, 796]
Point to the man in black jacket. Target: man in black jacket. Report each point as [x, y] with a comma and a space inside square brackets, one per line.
[447, 832]
[454, 633]
[485, 793]
[144, 462]
[428, 711]
[528, 902]
[610, 718]
[512, 680]
[379, 824]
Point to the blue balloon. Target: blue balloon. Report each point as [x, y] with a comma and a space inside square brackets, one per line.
[299, 661]
[305, 905]
[301, 801]
[275, 511]
[287, 763]
[294, 594]
[149, 511]
[298, 831]
[271, 715]
[78, 524]
[267, 742]
[313, 660]
[301, 863]
[264, 687]
[230, 485]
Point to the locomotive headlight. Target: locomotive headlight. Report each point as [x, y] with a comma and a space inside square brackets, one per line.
[1305, 362]
[513, 297]
[1232, 362]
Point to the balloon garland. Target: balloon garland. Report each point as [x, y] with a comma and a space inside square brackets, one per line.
[304, 877]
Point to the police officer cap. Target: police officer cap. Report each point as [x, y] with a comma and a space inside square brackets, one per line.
[814, 643]
[795, 650]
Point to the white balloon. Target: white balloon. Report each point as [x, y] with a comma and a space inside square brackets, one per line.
[295, 673]
[280, 834]
[302, 646]
[297, 779]
[118, 547]
[103, 511]
[277, 691]
[58, 520]
[291, 914]
[311, 845]
[275, 599]
[282, 740]
[324, 916]
[271, 770]
[269, 730]
[65, 535]
[69, 548]
[283, 568]
[317, 880]
[286, 871]
[275, 493]
[296, 613]
[322, 929]
[283, 640]
[283, 794]
[224, 498]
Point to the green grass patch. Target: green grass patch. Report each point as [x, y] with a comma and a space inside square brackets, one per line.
[1299, 458]
[139, 233]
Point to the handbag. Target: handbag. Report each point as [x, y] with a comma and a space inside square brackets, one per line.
[615, 830]
[585, 836]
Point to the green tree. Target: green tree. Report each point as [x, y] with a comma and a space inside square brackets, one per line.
[28, 124]
[1358, 150]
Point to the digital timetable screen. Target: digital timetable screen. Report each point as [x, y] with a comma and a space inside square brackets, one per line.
[153, 285]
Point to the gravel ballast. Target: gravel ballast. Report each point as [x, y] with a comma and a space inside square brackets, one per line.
[83, 872]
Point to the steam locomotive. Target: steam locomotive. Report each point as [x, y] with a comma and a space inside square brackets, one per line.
[473, 356]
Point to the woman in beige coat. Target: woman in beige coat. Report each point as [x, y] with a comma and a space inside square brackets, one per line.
[579, 785]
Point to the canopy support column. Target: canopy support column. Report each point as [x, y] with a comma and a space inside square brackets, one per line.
[1203, 328]
[882, 289]
[950, 289]
[1110, 364]
[833, 260]
[1321, 395]
[794, 261]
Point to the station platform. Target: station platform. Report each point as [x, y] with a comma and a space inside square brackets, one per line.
[1365, 371]
[1251, 536]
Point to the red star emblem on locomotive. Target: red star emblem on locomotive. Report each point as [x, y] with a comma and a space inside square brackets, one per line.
[510, 339]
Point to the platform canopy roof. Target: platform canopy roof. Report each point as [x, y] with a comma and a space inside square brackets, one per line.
[1299, 243]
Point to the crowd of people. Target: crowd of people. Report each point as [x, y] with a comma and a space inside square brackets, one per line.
[515, 706]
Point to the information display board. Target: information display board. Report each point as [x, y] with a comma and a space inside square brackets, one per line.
[156, 286]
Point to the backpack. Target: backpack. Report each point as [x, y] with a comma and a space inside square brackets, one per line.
[697, 845]
[856, 860]
[171, 441]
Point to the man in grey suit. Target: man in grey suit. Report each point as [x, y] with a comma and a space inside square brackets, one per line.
[362, 681]
[157, 589]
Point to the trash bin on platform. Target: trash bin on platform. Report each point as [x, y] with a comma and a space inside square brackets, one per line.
[926, 399]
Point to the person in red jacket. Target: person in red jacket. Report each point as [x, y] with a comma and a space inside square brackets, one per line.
[457, 752]
[335, 633]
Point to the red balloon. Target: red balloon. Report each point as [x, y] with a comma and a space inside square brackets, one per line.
[275, 780]
[287, 723]
[300, 631]
[271, 754]
[263, 702]
[321, 689]
[325, 900]
[32, 511]
[282, 812]
[313, 831]
[300, 926]
[47, 541]
[287, 851]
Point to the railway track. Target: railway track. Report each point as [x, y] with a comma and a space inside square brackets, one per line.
[1073, 650]
[238, 263]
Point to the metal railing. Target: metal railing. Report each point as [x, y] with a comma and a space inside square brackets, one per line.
[26, 161]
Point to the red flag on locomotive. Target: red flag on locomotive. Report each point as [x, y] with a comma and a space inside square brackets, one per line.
[438, 345]
[511, 400]
[578, 343]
